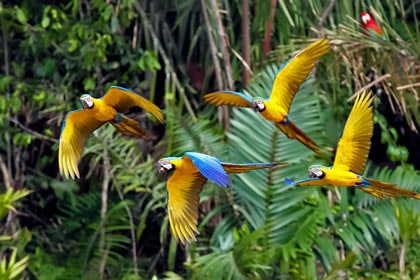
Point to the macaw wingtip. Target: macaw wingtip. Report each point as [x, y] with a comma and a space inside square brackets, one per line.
[227, 185]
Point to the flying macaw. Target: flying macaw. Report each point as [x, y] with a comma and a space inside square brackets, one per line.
[79, 124]
[190, 173]
[351, 156]
[286, 84]
[370, 27]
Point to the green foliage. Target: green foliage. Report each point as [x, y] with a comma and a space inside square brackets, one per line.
[246, 259]
[389, 136]
[11, 268]
[112, 223]
[289, 217]
[9, 199]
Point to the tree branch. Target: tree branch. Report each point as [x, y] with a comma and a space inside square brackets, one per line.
[6, 61]
[224, 43]
[165, 58]
[6, 175]
[245, 40]
[269, 28]
[33, 132]
[223, 110]
[374, 82]
[325, 14]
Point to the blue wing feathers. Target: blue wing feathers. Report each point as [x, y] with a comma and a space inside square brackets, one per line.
[210, 167]
[284, 64]
[171, 158]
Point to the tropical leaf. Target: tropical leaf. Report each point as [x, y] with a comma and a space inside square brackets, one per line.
[9, 199]
[289, 222]
[373, 223]
[244, 260]
[10, 267]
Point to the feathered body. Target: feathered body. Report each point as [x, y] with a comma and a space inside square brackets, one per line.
[79, 124]
[351, 157]
[286, 84]
[189, 174]
[370, 27]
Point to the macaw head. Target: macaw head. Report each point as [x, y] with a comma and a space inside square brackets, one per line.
[164, 166]
[315, 172]
[258, 105]
[367, 19]
[87, 101]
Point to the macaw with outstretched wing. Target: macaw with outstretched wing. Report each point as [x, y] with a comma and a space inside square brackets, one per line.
[286, 84]
[351, 156]
[79, 124]
[190, 173]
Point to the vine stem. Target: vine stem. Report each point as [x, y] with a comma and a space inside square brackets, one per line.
[325, 14]
[6, 61]
[223, 110]
[139, 9]
[104, 207]
[132, 233]
[224, 45]
[246, 41]
[402, 260]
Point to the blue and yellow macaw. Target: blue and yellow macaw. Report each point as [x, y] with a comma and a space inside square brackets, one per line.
[286, 84]
[79, 124]
[184, 186]
[351, 156]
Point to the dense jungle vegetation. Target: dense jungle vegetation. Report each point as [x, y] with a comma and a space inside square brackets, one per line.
[112, 223]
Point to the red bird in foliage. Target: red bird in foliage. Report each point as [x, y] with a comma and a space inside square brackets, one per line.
[370, 26]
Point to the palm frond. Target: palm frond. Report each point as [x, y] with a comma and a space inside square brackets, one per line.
[261, 197]
[373, 223]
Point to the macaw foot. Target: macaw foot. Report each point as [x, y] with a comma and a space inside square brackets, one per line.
[285, 121]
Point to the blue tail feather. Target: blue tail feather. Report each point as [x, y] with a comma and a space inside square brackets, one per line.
[289, 181]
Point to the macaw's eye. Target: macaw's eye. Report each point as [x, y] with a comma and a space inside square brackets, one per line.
[316, 173]
[164, 166]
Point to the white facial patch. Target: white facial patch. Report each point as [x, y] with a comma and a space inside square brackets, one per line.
[86, 101]
[315, 173]
[258, 105]
[365, 18]
[165, 166]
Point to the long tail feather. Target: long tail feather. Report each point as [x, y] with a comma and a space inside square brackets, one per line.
[240, 168]
[294, 132]
[130, 127]
[380, 189]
